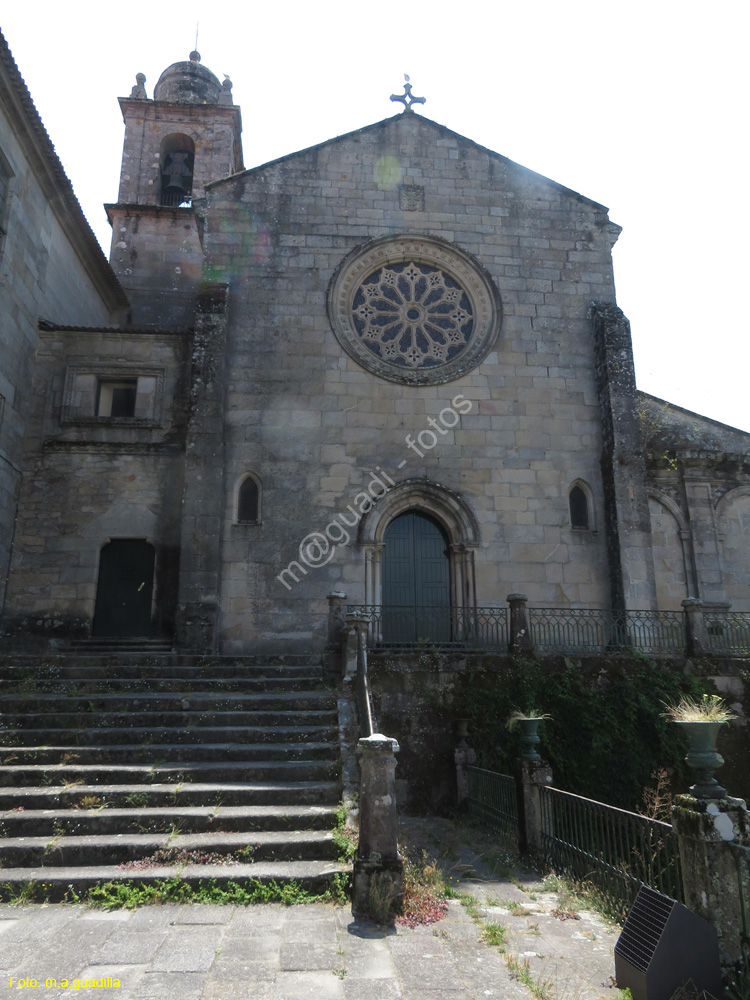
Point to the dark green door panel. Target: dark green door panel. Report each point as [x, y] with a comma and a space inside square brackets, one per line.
[124, 588]
[416, 581]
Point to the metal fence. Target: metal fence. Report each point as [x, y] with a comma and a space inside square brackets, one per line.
[552, 630]
[593, 630]
[728, 632]
[493, 800]
[614, 850]
[466, 628]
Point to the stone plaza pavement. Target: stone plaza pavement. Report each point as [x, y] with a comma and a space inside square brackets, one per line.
[274, 952]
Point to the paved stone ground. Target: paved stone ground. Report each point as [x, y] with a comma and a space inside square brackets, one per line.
[273, 952]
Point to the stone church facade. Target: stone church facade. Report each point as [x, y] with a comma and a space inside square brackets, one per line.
[391, 365]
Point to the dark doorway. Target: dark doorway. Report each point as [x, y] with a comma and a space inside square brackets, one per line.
[416, 581]
[123, 592]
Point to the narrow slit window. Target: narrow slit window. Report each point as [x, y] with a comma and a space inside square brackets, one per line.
[579, 508]
[247, 502]
[116, 398]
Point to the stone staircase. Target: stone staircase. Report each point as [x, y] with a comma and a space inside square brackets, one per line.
[127, 766]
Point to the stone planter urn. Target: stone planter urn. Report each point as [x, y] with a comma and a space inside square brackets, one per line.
[703, 757]
[529, 738]
[462, 731]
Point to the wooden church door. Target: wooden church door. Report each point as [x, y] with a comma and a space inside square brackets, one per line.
[124, 588]
[416, 581]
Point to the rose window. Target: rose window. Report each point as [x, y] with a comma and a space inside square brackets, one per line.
[414, 309]
[413, 315]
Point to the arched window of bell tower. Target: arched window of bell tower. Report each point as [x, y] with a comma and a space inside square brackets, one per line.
[176, 161]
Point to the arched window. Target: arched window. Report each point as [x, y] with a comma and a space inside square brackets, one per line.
[248, 502]
[578, 502]
[176, 162]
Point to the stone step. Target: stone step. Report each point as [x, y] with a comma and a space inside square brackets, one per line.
[72, 851]
[63, 883]
[127, 659]
[195, 819]
[82, 671]
[139, 753]
[86, 687]
[181, 720]
[146, 701]
[127, 750]
[64, 739]
[184, 771]
[162, 794]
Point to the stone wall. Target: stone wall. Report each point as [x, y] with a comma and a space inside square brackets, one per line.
[315, 427]
[420, 694]
[90, 479]
[699, 478]
[50, 267]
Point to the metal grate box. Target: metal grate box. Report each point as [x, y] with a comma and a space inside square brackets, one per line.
[663, 945]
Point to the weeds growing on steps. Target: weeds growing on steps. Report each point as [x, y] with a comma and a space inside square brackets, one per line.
[129, 895]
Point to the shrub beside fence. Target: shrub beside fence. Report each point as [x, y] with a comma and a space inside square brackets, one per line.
[614, 850]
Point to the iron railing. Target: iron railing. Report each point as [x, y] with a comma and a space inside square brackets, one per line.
[552, 630]
[595, 631]
[493, 800]
[362, 691]
[467, 628]
[614, 850]
[728, 631]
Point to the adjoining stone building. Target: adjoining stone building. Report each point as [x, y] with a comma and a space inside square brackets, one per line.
[50, 266]
[390, 365]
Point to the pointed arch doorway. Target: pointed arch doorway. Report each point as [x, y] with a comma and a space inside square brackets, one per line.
[416, 581]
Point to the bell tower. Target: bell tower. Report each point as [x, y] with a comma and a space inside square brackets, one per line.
[175, 144]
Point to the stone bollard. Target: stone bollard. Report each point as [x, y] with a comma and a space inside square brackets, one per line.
[335, 651]
[520, 637]
[696, 636]
[535, 775]
[378, 868]
[705, 828]
[464, 756]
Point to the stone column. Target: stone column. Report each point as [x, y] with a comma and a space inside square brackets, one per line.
[464, 756]
[355, 625]
[704, 537]
[696, 637]
[378, 866]
[705, 829]
[334, 654]
[626, 515]
[520, 637]
[204, 498]
[535, 775]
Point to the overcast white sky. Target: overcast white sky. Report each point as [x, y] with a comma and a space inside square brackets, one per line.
[639, 105]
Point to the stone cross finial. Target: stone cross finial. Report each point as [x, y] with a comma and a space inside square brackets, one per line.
[406, 98]
[139, 91]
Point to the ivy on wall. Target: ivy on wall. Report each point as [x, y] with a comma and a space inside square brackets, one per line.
[606, 738]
